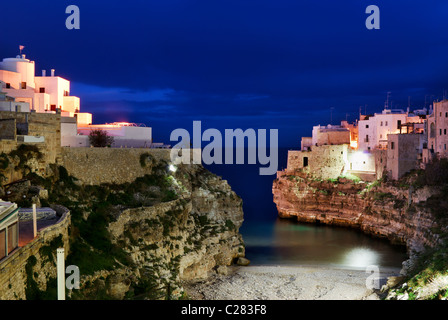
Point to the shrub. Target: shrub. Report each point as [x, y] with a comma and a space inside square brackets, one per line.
[99, 138]
[435, 173]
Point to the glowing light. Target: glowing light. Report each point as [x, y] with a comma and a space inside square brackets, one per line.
[172, 168]
[361, 258]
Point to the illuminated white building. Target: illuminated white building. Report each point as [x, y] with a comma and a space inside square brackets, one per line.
[373, 130]
[46, 93]
[126, 135]
[23, 91]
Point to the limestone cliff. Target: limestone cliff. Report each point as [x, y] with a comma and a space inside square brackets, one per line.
[137, 228]
[397, 211]
[163, 228]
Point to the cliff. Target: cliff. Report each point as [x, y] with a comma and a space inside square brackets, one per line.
[138, 228]
[400, 211]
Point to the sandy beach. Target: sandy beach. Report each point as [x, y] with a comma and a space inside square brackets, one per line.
[286, 283]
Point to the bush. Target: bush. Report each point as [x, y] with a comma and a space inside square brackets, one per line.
[435, 173]
[98, 138]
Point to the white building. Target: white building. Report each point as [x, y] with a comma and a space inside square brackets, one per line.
[43, 93]
[373, 130]
[26, 92]
[126, 135]
[10, 104]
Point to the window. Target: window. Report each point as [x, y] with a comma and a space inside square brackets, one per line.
[398, 124]
[381, 123]
[305, 161]
[440, 131]
[444, 131]
[392, 145]
[23, 86]
[381, 136]
[53, 107]
[2, 243]
[386, 123]
[8, 86]
[12, 237]
[367, 138]
[42, 90]
[446, 114]
[66, 94]
[367, 126]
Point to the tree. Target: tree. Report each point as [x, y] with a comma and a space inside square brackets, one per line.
[99, 138]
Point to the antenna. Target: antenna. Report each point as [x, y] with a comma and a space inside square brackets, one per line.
[331, 115]
[386, 105]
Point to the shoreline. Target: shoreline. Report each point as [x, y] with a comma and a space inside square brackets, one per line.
[284, 282]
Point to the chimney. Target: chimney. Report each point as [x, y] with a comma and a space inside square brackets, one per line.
[44, 73]
[23, 56]
[52, 72]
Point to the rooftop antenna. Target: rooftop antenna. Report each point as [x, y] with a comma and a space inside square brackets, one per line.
[386, 105]
[331, 115]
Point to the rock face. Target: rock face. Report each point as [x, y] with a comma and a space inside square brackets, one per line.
[184, 239]
[379, 209]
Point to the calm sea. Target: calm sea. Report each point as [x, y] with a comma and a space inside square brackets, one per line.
[273, 241]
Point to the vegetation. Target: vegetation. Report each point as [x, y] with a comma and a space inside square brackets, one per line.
[99, 138]
[434, 174]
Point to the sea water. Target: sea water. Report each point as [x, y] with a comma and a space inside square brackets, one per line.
[270, 240]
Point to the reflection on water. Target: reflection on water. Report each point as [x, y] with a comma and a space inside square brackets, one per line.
[285, 242]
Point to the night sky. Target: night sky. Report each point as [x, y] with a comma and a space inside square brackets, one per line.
[235, 63]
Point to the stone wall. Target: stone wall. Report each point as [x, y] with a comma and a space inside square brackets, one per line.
[47, 125]
[13, 273]
[7, 129]
[110, 165]
[323, 162]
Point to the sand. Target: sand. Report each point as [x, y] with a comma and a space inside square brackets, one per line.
[287, 283]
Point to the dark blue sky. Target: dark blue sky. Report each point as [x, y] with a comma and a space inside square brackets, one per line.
[235, 63]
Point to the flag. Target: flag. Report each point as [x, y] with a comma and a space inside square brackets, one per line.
[21, 48]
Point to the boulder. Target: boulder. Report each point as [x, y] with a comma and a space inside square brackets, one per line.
[242, 261]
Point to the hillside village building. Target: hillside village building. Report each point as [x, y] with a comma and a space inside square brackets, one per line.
[389, 143]
[21, 91]
[437, 127]
[42, 93]
[374, 130]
